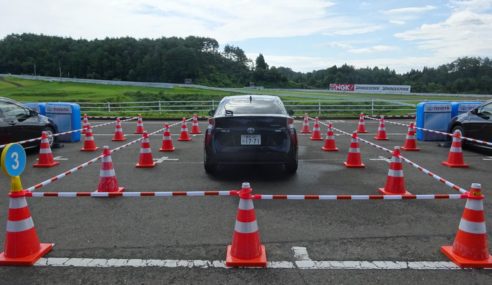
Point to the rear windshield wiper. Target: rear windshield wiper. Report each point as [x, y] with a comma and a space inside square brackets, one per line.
[229, 113]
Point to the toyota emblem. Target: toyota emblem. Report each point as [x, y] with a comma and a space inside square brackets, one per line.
[250, 130]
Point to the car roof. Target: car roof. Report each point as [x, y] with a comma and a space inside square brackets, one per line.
[253, 96]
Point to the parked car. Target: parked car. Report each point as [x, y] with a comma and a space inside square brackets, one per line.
[17, 122]
[250, 129]
[476, 123]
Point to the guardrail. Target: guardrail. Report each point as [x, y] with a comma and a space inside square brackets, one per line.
[319, 107]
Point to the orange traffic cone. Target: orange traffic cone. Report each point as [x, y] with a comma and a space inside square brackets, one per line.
[410, 141]
[89, 143]
[107, 175]
[184, 136]
[455, 156]
[316, 135]
[140, 127]
[354, 159]
[85, 123]
[118, 132]
[305, 125]
[167, 141]
[361, 127]
[381, 135]
[195, 129]
[330, 140]
[145, 159]
[246, 248]
[470, 247]
[45, 158]
[395, 181]
[22, 246]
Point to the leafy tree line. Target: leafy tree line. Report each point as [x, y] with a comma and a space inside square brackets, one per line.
[199, 58]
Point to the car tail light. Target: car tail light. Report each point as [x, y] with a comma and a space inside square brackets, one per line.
[292, 130]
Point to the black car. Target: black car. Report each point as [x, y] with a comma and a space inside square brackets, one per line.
[251, 129]
[476, 123]
[18, 122]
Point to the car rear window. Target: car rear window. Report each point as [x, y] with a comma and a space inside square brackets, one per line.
[256, 106]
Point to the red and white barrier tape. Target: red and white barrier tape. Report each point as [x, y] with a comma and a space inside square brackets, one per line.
[361, 197]
[67, 132]
[85, 164]
[415, 165]
[433, 131]
[255, 196]
[131, 194]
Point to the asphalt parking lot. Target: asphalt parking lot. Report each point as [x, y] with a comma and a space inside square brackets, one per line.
[199, 228]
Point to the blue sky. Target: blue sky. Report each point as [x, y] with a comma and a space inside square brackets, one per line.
[304, 35]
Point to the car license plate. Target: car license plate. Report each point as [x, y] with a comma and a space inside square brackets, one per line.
[250, 139]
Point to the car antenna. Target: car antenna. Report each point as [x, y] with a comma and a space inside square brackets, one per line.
[250, 98]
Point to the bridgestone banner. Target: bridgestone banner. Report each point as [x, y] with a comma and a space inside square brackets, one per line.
[370, 88]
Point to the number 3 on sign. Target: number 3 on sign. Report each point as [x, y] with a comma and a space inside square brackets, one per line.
[13, 160]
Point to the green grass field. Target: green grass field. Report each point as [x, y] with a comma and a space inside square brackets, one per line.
[44, 91]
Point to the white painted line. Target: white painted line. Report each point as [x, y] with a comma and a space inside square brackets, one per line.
[300, 253]
[60, 158]
[164, 158]
[381, 158]
[212, 264]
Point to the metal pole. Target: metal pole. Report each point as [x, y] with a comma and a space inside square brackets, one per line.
[159, 106]
[319, 108]
[372, 107]
[109, 107]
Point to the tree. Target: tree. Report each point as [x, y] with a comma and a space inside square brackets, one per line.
[261, 63]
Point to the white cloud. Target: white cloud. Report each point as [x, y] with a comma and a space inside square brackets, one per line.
[307, 63]
[221, 19]
[464, 33]
[409, 10]
[373, 49]
[400, 16]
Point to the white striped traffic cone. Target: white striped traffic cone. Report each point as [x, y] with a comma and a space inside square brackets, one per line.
[89, 143]
[470, 247]
[316, 135]
[455, 156]
[305, 125]
[354, 159]
[246, 248]
[22, 246]
[45, 158]
[145, 159]
[107, 175]
[395, 181]
[195, 128]
[85, 123]
[361, 127]
[410, 141]
[167, 141]
[184, 136]
[118, 132]
[381, 134]
[330, 144]
[140, 127]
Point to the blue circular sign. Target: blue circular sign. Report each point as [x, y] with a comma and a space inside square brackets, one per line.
[13, 159]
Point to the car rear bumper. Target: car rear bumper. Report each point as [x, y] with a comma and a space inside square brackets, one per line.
[251, 157]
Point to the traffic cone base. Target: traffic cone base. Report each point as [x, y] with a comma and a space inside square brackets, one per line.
[410, 149]
[316, 139]
[29, 260]
[260, 261]
[465, 262]
[90, 149]
[119, 139]
[167, 149]
[382, 191]
[184, 139]
[362, 165]
[329, 149]
[380, 139]
[54, 163]
[453, 165]
[138, 165]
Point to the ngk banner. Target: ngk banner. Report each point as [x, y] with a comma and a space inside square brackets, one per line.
[342, 87]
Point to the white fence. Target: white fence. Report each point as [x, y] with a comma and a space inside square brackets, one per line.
[298, 106]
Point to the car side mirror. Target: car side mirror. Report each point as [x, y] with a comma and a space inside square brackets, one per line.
[290, 112]
[32, 113]
[211, 112]
[474, 111]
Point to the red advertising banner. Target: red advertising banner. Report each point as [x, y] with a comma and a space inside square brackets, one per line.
[342, 87]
